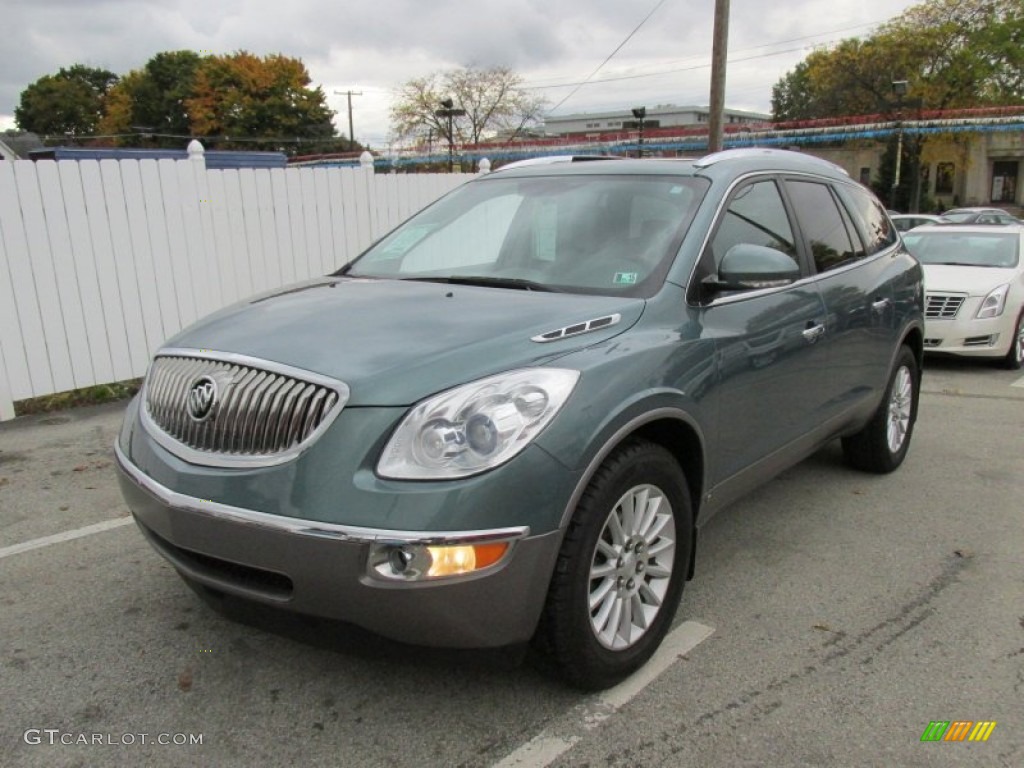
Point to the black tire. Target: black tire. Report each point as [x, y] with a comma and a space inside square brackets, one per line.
[1015, 357]
[568, 634]
[874, 448]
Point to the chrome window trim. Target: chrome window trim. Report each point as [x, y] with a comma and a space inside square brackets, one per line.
[774, 175]
[212, 459]
[809, 280]
[301, 527]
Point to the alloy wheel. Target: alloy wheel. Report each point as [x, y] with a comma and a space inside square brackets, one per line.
[632, 567]
[901, 400]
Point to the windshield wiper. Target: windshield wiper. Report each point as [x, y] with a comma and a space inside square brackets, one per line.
[490, 281]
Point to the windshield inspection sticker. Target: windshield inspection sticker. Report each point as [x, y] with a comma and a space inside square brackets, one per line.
[625, 278]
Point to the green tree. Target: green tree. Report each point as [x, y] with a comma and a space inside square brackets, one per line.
[149, 103]
[244, 101]
[952, 53]
[494, 101]
[67, 103]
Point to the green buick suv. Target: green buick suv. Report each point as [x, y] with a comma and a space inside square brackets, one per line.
[507, 420]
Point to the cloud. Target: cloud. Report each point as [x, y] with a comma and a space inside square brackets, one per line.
[376, 46]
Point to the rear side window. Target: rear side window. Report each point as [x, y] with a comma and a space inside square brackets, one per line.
[870, 218]
[822, 225]
[756, 216]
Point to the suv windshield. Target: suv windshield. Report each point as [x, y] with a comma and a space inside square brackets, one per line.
[609, 235]
[972, 249]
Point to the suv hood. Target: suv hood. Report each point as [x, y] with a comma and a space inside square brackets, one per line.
[974, 281]
[395, 342]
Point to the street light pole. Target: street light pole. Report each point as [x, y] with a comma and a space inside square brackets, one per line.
[449, 111]
[640, 113]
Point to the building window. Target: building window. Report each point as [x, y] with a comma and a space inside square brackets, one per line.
[1004, 181]
[944, 178]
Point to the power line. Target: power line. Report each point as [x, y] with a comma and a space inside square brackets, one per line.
[610, 55]
[667, 71]
[701, 66]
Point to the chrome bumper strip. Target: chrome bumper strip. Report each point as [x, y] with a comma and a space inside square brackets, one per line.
[299, 527]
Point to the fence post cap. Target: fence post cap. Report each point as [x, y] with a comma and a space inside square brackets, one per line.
[195, 150]
[485, 165]
[366, 160]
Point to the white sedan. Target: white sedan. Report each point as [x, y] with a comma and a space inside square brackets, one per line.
[974, 289]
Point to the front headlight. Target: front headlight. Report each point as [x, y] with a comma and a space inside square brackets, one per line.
[994, 303]
[477, 426]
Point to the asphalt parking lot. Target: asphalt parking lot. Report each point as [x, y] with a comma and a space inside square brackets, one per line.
[833, 617]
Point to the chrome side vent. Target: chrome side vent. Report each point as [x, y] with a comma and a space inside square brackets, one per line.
[579, 328]
[230, 410]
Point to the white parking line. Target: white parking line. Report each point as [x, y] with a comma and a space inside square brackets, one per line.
[1018, 383]
[58, 538]
[548, 746]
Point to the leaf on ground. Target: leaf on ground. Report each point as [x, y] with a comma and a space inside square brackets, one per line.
[185, 679]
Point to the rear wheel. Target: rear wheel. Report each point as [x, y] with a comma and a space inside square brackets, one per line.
[1015, 357]
[882, 444]
[621, 569]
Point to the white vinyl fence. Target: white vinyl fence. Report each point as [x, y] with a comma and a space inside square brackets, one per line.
[102, 260]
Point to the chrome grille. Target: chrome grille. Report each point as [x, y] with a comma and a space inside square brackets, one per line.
[940, 306]
[260, 410]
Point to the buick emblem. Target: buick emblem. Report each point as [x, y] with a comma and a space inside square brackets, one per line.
[202, 398]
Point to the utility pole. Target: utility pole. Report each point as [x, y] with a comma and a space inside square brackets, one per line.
[719, 54]
[899, 89]
[350, 94]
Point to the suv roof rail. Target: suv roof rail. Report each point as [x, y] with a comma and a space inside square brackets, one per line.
[744, 152]
[552, 159]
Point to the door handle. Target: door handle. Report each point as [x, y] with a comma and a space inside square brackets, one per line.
[880, 305]
[814, 332]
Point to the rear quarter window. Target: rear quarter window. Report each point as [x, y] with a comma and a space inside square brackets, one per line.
[869, 217]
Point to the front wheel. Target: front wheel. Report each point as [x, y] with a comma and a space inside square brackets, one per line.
[882, 444]
[1015, 357]
[621, 568]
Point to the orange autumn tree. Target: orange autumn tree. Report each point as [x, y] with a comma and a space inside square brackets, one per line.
[243, 101]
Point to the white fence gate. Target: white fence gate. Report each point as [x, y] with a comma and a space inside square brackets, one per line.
[102, 260]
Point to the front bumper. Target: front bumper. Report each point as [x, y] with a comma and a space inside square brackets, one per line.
[320, 569]
[966, 335]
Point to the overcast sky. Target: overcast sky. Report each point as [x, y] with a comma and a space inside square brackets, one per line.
[373, 47]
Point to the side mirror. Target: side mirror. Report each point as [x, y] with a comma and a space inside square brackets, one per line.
[747, 267]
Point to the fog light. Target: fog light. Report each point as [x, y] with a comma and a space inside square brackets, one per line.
[415, 562]
[399, 559]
